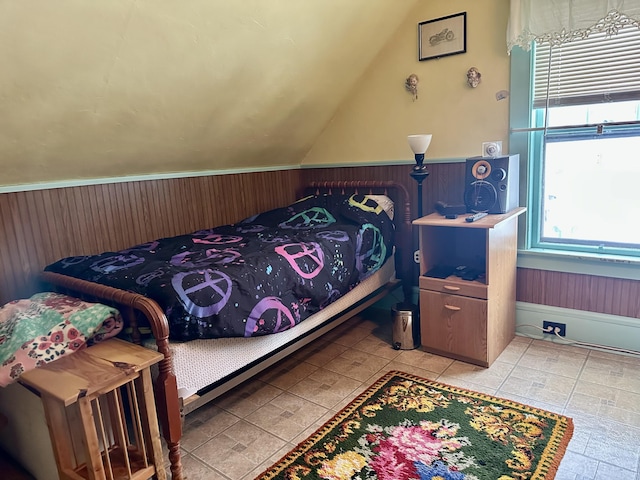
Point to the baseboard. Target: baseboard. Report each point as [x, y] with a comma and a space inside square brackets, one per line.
[582, 326]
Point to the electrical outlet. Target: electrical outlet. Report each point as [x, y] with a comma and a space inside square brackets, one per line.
[416, 256]
[550, 328]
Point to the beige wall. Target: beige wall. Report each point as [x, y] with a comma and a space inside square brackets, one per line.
[372, 123]
[109, 88]
[114, 88]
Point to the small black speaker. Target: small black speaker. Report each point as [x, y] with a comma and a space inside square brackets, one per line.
[491, 184]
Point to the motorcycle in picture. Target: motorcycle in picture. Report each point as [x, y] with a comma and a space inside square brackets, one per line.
[445, 35]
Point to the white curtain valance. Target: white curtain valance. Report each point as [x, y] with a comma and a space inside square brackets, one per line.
[559, 21]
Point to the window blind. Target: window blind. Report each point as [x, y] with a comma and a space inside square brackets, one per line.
[595, 69]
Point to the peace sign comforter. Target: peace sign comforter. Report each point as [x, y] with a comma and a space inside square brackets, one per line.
[260, 276]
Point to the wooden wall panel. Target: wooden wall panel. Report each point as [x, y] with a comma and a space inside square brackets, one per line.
[614, 296]
[444, 183]
[40, 227]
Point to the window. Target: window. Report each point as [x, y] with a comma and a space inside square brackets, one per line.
[583, 144]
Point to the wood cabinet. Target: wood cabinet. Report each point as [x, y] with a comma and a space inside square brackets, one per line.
[472, 319]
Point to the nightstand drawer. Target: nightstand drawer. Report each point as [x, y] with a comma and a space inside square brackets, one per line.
[454, 286]
[453, 325]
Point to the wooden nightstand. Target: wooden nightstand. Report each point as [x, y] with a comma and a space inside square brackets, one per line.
[101, 412]
[471, 320]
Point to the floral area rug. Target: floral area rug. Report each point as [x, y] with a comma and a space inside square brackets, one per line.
[407, 427]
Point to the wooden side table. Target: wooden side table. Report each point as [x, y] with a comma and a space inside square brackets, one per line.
[470, 319]
[101, 412]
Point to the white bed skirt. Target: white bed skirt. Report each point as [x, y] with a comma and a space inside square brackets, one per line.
[200, 363]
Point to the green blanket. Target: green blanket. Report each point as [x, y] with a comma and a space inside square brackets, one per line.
[48, 326]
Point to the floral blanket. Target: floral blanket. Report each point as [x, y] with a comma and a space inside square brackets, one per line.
[48, 326]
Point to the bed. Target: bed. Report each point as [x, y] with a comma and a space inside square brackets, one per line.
[205, 354]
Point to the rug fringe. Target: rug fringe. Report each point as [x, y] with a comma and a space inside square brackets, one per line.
[550, 462]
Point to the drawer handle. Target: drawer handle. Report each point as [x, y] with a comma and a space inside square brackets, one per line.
[452, 308]
[451, 288]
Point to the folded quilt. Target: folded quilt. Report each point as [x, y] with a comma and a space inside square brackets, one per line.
[48, 326]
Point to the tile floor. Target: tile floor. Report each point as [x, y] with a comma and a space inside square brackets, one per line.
[240, 434]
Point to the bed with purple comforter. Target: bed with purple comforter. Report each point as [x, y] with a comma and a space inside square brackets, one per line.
[260, 276]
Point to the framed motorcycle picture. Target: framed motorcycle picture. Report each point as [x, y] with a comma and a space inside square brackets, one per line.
[442, 36]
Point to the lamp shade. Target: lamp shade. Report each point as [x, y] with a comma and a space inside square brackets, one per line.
[419, 143]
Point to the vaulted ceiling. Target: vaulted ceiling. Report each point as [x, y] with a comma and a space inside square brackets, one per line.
[110, 86]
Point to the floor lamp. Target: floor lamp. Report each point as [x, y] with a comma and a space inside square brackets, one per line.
[419, 144]
[406, 329]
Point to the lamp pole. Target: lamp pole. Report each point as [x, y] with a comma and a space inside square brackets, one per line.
[419, 175]
[407, 309]
[407, 313]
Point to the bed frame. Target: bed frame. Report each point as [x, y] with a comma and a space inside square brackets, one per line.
[134, 306]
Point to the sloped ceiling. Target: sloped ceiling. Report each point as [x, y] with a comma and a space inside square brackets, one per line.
[107, 88]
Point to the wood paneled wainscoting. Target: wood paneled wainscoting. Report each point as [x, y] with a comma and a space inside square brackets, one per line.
[38, 227]
[596, 310]
[612, 296]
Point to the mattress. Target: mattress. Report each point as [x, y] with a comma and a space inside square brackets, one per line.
[200, 363]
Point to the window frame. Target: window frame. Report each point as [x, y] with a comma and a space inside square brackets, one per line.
[530, 253]
[537, 171]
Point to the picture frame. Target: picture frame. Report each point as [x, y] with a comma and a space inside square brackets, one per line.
[442, 36]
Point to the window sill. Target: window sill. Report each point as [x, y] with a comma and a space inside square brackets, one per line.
[581, 263]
